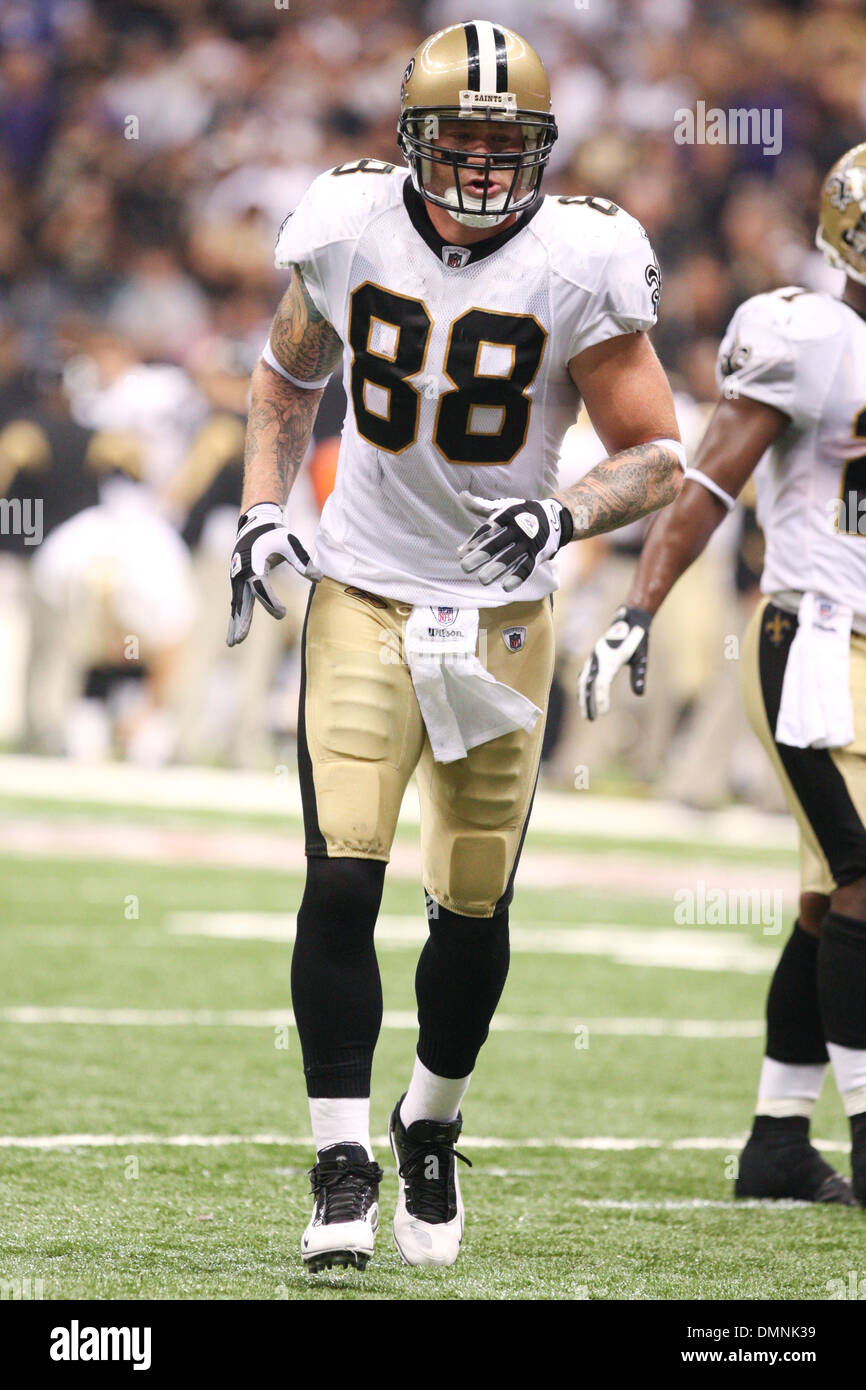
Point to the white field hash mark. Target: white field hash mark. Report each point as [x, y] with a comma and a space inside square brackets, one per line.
[400, 1021]
[596, 1143]
[665, 947]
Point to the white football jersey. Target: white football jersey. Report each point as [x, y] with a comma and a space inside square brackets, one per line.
[805, 354]
[455, 365]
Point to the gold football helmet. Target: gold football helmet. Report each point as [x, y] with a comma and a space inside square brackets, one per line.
[841, 233]
[476, 72]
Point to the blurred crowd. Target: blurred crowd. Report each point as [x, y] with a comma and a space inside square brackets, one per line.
[148, 153]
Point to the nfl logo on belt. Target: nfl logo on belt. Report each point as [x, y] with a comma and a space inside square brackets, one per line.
[514, 638]
[444, 616]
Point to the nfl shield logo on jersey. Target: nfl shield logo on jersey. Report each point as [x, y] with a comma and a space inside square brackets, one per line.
[445, 616]
[455, 257]
[514, 638]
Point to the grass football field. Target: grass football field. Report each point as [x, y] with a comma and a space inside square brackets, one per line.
[154, 1133]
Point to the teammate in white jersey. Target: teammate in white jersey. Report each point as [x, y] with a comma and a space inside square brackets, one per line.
[471, 314]
[792, 372]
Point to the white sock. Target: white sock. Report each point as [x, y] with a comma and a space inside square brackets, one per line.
[341, 1120]
[849, 1069]
[432, 1097]
[788, 1088]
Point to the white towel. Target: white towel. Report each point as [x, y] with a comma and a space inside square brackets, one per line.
[461, 704]
[815, 710]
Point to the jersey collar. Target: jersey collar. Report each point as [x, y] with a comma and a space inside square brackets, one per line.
[418, 216]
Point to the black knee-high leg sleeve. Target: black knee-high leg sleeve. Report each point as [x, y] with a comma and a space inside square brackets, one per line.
[336, 989]
[795, 1030]
[460, 977]
[842, 980]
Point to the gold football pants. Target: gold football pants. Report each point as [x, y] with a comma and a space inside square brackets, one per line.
[361, 736]
[825, 787]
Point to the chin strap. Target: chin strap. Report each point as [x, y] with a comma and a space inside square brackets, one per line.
[470, 218]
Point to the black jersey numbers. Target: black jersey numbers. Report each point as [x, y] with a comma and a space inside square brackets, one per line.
[591, 201]
[491, 360]
[388, 335]
[363, 166]
[851, 509]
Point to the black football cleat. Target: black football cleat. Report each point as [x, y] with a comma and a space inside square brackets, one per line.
[858, 1157]
[428, 1221]
[342, 1229]
[780, 1163]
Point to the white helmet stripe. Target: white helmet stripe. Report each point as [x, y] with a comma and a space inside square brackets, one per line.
[487, 55]
[501, 60]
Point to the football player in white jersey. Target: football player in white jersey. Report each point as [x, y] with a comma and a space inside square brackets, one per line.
[792, 373]
[471, 313]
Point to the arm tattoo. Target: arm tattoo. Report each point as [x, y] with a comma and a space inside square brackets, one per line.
[279, 426]
[623, 488]
[281, 415]
[301, 339]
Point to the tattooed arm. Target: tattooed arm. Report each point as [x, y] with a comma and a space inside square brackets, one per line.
[629, 402]
[622, 488]
[281, 414]
[305, 347]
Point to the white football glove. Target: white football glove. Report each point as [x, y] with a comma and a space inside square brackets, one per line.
[625, 643]
[262, 542]
[514, 538]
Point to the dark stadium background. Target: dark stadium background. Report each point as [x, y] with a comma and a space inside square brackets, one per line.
[149, 152]
[154, 1133]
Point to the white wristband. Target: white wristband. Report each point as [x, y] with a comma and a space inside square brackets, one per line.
[694, 475]
[268, 356]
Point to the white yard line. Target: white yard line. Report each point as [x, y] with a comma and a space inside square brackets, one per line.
[686, 1204]
[283, 851]
[603, 1143]
[690, 1028]
[748, 951]
[277, 793]
[624, 943]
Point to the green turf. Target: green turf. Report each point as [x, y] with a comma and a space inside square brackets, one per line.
[150, 1220]
[224, 1224]
[190, 818]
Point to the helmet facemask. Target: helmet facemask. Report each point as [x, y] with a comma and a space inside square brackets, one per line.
[418, 129]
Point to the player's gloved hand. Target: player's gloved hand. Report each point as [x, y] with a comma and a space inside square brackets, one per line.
[625, 643]
[514, 537]
[262, 542]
